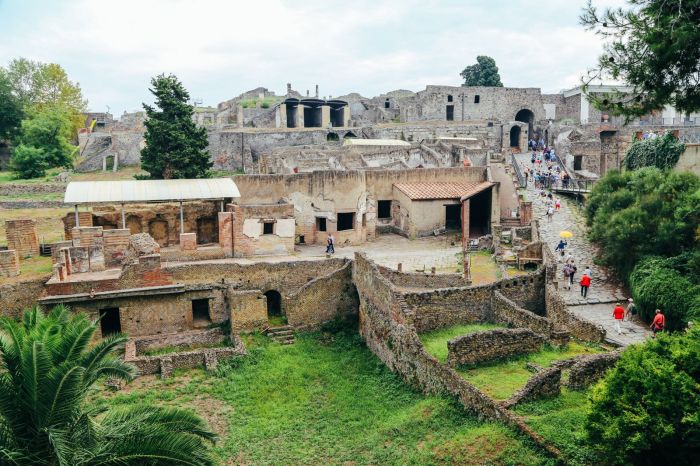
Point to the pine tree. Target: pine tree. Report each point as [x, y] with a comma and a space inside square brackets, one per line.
[175, 146]
[483, 73]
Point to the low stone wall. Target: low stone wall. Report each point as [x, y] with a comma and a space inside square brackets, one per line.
[180, 340]
[589, 369]
[322, 299]
[492, 344]
[563, 319]
[18, 297]
[544, 384]
[507, 312]
[423, 280]
[166, 364]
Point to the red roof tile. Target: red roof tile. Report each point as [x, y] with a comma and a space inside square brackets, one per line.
[438, 190]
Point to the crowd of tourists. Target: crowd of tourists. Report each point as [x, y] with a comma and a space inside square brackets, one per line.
[545, 172]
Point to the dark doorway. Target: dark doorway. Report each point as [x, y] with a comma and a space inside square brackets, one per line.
[110, 322]
[312, 117]
[268, 228]
[386, 103]
[274, 303]
[292, 116]
[320, 224]
[133, 223]
[453, 217]
[337, 117]
[515, 137]
[526, 116]
[578, 162]
[200, 313]
[480, 214]
[349, 135]
[346, 221]
[449, 98]
[332, 137]
[207, 230]
[477, 99]
[383, 209]
[159, 231]
[450, 112]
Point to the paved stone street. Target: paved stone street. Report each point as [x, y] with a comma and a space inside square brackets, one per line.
[605, 290]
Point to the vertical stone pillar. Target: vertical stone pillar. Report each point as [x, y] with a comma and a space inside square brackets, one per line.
[9, 263]
[226, 232]
[525, 212]
[300, 116]
[465, 224]
[346, 116]
[325, 116]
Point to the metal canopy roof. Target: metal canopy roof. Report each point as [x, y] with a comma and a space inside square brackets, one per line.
[95, 192]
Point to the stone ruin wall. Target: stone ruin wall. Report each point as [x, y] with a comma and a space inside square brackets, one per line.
[489, 345]
[21, 237]
[9, 263]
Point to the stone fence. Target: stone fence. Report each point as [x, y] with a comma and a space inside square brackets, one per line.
[507, 312]
[178, 340]
[492, 344]
[563, 319]
[423, 280]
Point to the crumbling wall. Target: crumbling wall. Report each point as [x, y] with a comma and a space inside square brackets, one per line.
[546, 383]
[423, 280]
[9, 263]
[491, 344]
[563, 319]
[589, 369]
[21, 236]
[507, 312]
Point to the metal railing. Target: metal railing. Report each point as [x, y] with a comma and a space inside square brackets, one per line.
[518, 171]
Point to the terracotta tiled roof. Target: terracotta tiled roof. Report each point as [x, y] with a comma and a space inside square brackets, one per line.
[438, 190]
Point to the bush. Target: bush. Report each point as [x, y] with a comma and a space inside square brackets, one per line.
[662, 152]
[655, 285]
[646, 411]
[28, 162]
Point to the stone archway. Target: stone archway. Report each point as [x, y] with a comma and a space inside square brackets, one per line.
[515, 136]
[527, 116]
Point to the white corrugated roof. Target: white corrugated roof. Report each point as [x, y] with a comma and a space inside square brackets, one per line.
[93, 192]
[375, 142]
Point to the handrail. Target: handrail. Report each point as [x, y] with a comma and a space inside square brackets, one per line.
[518, 173]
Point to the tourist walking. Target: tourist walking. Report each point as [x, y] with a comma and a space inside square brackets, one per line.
[631, 311]
[330, 247]
[618, 315]
[566, 270]
[585, 284]
[572, 272]
[550, 214]
[658, 324]
[588, 271]
[561, 246]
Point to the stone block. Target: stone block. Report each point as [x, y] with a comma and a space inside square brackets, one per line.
[226, 232]
[79, 259]
[9, 263]
[188, 241]
[21, 236]
[116, 242]
[97, 257]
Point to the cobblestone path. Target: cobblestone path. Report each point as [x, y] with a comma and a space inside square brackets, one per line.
[605, 290]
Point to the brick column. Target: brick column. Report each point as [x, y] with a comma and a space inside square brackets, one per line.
[21, 236]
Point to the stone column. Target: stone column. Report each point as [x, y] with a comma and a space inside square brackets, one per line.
[300, 116]
[325, 116]
[346, 116]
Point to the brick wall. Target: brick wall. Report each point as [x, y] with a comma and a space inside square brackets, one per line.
[18, 297]
[492, 344]
[69, 222]
[21, 236]
[9, 263]
[116, 242]
[248, 310]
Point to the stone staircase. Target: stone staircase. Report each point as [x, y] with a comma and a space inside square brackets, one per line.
[283, 335]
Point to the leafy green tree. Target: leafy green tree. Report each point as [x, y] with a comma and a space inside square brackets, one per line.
[50, 131]
[644, 212]
[646, 411]
[662, 153]
[175, 146]
[11, 112]
[483, 73]
[28, 162]
[653, 46]
[48, 368]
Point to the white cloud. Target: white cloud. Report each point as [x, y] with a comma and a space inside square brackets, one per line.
[221, 48]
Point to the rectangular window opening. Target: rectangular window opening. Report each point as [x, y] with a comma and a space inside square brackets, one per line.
[346, 221]
[364, 220]
[578, 162]
[450, 113]
[320, 224]
[383, 209]
[477, 99]
[268, 228]
[200, 312]
[449, 98]
[110, 321]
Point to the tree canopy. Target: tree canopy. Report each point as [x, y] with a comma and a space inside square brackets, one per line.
[646, 410]
[653, 46]
[175, 146]
[483, 73]
[47, 369]
[11, 111]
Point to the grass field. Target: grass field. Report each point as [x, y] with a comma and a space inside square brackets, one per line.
[327, 400]
[561, 421]
[501, 379]
[435, 341]
[48, 222]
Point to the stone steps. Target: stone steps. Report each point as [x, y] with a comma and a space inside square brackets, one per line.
[283, 335]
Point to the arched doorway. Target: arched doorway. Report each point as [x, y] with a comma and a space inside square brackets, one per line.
[526, 116]
[159, 231]
[274, 308]
[349, 134]
[133, 223]
[332, 137]
[515, 136]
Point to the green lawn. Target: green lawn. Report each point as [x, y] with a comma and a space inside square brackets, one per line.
[435, 341]
[561, 420]
[327, 400]
[501, 379]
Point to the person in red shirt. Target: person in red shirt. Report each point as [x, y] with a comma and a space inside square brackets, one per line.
[658, 324]
[618, 314]
[585, 284]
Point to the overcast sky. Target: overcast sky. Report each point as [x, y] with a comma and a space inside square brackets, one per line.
[220, 48]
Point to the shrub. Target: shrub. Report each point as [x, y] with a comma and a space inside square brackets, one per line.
[28, 162]
[662, 152]
[646, 411]
[657, 285]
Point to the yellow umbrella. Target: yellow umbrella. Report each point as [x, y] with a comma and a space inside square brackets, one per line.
[566, 234]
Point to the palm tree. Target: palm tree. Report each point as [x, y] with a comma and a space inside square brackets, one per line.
[47, 367]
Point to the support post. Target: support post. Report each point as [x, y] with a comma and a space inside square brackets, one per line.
[77, 217]
[222, 205]
[123, 217]
[182, 220]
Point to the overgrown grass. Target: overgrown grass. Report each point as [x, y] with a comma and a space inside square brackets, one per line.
[561, 420]
[328, 400]
[48, 222]
[435, 341]
[265, 102]
[501, 379]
